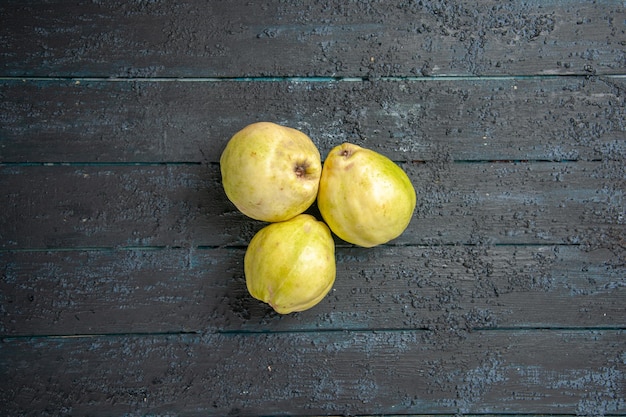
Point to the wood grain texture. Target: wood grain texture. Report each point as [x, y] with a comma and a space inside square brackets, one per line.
[448, 289]
[332, 373]
[122, 289]
[363, 39]
[506, 119]
[185, 205]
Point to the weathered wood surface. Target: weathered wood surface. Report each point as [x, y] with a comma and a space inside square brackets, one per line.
[449, 288]
[184, 205]
[229, 38]
[480, 119]
[318, 373]
[121, 281]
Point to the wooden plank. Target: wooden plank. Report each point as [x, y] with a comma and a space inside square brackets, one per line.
[336, 373]
[184, 205]
[242, 38]
[492, 119]
[453, 289]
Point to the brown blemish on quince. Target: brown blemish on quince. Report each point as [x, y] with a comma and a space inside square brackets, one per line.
[301, 169]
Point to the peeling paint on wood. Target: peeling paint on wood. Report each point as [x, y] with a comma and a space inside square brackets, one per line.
[369, 39]
[121, 282]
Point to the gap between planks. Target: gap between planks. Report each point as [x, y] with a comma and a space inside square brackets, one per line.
[152, 248]
[363, 330]
[305, 79]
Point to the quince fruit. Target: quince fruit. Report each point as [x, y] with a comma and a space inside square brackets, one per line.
[291, 265]
[364, 197]
[270, 172]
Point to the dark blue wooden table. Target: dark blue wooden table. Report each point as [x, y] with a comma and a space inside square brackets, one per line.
[122, 290]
